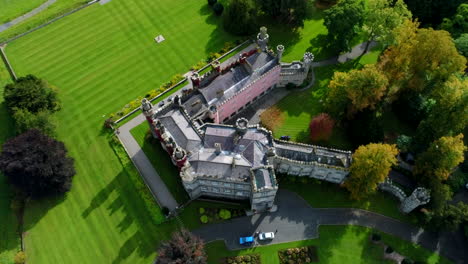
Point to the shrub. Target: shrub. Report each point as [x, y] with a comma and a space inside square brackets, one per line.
[389, 250]
[225, 214]
[165, 210]
[201, 210]
[204, 219]
[272, 118]
[212, 2]
[321, 127]
[20, 258]
[376, 237]
[407, 261]
[218, 9]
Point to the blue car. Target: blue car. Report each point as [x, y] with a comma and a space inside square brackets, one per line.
[246, 240]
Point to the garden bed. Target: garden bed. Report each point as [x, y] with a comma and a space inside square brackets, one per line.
[298, 255]
[246, 259]
[215, 215]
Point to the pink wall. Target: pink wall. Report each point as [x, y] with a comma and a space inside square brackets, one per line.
[241, 99]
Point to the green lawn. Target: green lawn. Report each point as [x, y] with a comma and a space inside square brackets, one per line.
[101, 58]
[336, 244]
[12, 9]
[161, 162]
[9, 239]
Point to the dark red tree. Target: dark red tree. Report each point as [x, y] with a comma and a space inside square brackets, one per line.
[184, 247]
[321, 127]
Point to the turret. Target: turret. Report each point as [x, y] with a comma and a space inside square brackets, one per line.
[308, 58]
[216, 66]
[279, 52]
[262, 39]
[195, 78]
[241, 126]
[147, 109]
[179, 156]
[420, 196]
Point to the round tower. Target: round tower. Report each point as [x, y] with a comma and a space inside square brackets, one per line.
[147, 109]
[179, 156]
[262, 39]
[195, 78]
[242, 126]
[279, 52]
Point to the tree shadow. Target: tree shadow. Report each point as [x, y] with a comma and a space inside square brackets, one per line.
[35, 210]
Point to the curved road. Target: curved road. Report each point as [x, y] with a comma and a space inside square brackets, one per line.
[295, 220]
[31, 13]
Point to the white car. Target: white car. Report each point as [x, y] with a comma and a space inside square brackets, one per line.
[266, 236]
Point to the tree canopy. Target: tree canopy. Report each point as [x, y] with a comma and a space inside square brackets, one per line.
[442, 156]
[343, 21]
[183, 247]
[458, 24]
[37, 164]
[240, 17]
[32, 94]
[355, 90]
[431, 12]
[25, 120]
[292, 12]
[382, 17]
[321, 127]
[462, 44]
[371, 165]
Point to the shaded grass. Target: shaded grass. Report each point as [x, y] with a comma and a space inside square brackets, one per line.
[328, 195]
[14, 9]
[336, 244]
[161, 162]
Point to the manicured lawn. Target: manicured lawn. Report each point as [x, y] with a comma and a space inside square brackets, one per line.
[161, 162]
[327, 195]
[101, 58]
[15, 8]
[9, 239]
[336, 244]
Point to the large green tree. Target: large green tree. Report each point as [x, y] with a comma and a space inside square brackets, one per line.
[25, 120]
[240, 17]
[292, 12]
[420, 60]
[449, 114]
[32, 94]
[37, 164]
[356, 90]
[431, 12]
[371, 165]
[439, 160]
[458, 24]
[343, 21]
[382, 17]
[462, 44]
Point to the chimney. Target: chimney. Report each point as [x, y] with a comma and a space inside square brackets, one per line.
[217, 148]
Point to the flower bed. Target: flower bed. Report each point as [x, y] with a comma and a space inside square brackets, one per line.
[214, 215]
[246, 259]
[298, 255]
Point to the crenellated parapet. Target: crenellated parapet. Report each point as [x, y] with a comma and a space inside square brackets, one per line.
[419, 196]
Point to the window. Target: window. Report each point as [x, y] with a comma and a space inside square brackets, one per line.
[227, 184]
[204, 189]
[239, 193]
[215, 183]
[215, 189]
[228, 191]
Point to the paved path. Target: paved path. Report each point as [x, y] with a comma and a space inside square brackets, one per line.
[295, 220]
[31, 13]
[144, 166]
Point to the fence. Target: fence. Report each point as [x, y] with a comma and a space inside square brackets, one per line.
[181, 82]
[7, 63]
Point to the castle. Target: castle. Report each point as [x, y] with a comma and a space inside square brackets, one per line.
[238, 161]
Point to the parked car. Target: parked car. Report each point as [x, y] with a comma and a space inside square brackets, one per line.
[169, 99]
[161, 104]
[266, 236]
[246, 240]
[287, 138]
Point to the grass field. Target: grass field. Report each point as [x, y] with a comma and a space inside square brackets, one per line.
[10, 9]
[16, 8]
[335, 245]
[9, 239]
[101, 58]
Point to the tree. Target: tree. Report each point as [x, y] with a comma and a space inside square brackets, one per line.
[321, 127]
[381, 18]
[184, 247]
[449, 115]
[462, 44]
[25, 120]
[356, 90]
[431, 12]
[403, 143]
[32, 94]
[450, 217]
[458, 24]
[420, 60]
[37, 164]
[292, 12]
[440, 193]
[442, 156]
[343, 21]
[212, 2]
[371, 165]
[218, 8]
[240, 17]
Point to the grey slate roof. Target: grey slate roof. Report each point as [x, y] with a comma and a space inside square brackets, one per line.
[181, 130]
